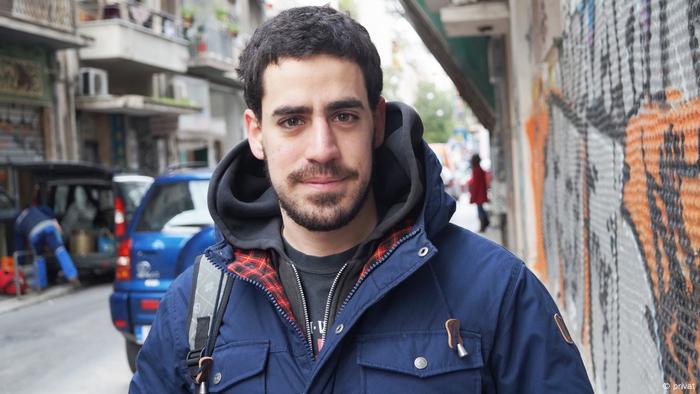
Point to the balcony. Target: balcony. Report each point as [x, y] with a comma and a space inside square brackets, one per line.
[216, 42]
[129, 96]
[129, 36]
[49, 23]
[212, 53]
[136, 105]
[214, 57]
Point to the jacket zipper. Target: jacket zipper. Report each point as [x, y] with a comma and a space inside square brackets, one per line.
[375, 264]
[327, 312]
[306, 310]
[271, 298]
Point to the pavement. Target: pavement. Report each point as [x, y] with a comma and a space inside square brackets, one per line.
[10, 303]
[466, 216]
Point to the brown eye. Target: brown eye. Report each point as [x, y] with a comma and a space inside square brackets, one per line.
[291, 122]
[345, 117]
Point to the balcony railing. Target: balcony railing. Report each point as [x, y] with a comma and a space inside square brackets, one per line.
[158, 22]
[56, 14]
[214, 43]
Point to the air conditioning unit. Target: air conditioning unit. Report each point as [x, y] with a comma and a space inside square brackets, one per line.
[93, 82]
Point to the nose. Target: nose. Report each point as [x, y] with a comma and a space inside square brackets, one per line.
[322, 145]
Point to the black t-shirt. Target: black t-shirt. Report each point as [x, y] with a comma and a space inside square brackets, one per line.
[316, 275]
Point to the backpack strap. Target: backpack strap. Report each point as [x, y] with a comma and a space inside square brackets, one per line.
[211, 289]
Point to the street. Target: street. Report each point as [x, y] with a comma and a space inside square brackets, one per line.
[65, 345]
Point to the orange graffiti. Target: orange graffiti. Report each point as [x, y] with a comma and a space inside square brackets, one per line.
[537, 131]
[661, 195]
[536, 128]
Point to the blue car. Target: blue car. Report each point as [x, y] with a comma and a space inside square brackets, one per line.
[170, 227]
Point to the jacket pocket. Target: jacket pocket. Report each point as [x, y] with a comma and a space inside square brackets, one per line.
[419, 362]
[239, 366]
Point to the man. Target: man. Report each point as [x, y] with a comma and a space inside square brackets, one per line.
[37, 225]
[478, 191]
[348, 276]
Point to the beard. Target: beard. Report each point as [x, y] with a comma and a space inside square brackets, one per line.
[322, 211]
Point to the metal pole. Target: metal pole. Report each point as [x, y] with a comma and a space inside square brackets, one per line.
[15, 263]
[15, 258]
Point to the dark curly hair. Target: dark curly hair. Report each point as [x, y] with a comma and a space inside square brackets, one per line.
[303, 32]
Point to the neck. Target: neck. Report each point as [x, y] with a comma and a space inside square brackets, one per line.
[326, 243]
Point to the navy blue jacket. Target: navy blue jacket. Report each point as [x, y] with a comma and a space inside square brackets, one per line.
[30, 217]
[27, 220]
[390, 336]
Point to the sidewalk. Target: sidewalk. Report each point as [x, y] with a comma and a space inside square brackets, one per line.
[10, 303]
[466, 216]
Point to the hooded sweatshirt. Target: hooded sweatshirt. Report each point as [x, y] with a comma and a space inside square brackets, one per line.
[246, 210]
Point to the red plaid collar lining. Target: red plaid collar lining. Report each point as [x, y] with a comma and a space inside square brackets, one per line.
[256, 265]
[401, 230]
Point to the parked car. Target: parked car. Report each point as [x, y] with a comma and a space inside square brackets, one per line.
[89, 202]
[129, 190]
[171, 226]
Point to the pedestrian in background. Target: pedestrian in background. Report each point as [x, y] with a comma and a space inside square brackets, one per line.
[36, 226]
[343, 273]
[478, 191]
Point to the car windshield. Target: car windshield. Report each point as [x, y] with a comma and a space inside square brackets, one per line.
[131, 193]
[177, 205]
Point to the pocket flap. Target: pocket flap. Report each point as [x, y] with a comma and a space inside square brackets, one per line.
[420, 354]
[236, 361]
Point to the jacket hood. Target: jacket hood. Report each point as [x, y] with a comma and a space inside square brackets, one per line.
[246, 210]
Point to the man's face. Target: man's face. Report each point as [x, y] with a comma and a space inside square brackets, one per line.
[316, 134]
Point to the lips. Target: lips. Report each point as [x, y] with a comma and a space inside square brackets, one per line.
[322, 181]
[317, 174]
[323, 184]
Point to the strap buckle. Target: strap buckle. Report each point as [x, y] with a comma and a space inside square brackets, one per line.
[192, 361]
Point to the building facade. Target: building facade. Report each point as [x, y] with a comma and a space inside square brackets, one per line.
[35, 93]
[158, 87]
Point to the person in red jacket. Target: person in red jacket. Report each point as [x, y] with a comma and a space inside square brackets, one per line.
[478, 186]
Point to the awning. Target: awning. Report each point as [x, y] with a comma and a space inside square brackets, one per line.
[465, 59]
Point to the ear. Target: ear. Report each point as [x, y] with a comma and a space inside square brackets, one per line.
[254, 131]
[379, 122]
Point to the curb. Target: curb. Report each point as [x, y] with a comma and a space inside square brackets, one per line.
[12, 303]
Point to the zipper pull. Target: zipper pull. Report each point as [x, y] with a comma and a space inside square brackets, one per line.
[454, 338]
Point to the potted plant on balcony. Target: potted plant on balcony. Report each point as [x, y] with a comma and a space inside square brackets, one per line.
[233, 29]
[187, 14]
[221, 14]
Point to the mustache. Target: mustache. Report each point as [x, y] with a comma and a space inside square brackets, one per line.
[333, 170]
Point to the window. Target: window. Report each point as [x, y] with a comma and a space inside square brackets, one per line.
[176, 206]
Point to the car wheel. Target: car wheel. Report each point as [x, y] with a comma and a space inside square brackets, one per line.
[132, 350]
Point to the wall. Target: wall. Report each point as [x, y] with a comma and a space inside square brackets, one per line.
[520, 71]
[94, 128]
[614, 134]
